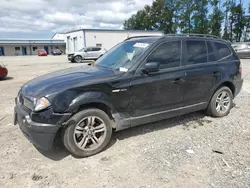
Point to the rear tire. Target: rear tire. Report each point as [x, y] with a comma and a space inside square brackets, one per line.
[87, 133]
[221, 102]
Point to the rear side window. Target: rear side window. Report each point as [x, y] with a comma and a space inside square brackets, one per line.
[196, 52]
[211, 52]
[97, 49]
[223, 51]
[168, 54]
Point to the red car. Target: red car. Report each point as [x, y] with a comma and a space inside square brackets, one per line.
[3, 71]
[42, 52]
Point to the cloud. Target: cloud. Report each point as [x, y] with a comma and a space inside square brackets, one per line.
[40, 16]
[108, 25]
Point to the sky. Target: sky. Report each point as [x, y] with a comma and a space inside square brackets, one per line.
[42, 18]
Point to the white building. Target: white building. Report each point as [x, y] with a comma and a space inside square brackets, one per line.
[106, 38]
[15, 47]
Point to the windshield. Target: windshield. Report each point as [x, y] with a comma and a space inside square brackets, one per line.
[123, 55]
[82, 50]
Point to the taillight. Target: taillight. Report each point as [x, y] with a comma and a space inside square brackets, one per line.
[240, 69]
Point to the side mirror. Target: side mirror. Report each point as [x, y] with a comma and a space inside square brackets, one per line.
[151, 67]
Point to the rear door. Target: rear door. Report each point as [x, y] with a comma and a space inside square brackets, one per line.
[97, 52]
[201, 71]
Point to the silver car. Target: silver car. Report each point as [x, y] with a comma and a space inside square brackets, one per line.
[242, 49]
[86, 53]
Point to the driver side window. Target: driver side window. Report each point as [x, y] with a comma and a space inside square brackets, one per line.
[168, 55]
[89, 49]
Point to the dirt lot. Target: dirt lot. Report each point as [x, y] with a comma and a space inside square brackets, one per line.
[173, 153]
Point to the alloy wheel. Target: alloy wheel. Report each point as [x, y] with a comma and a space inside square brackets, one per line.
[90, 133]
[78, 59]
[223, 102]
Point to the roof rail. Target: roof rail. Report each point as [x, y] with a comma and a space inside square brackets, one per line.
[193, 35]
[143, 36]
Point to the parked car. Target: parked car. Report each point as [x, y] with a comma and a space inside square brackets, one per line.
[242, 49]
[86, 53]
[42, 52]
[56, 52]
[3, 71]
[140, 80]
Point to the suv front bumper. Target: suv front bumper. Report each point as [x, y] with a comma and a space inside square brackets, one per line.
[40, 134]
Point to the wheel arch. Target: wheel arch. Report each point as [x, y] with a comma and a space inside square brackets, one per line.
[97, 100]
[228, 84]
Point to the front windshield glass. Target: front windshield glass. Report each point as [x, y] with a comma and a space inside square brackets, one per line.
[82, 49]
[122, 56]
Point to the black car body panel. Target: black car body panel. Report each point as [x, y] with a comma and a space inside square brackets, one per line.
[133, 97]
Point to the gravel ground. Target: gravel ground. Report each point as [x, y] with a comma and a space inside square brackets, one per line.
[193, 150]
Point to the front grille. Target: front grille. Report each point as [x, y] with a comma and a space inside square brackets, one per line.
[24, 101]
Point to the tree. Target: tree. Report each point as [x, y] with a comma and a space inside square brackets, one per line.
[226, 5]
[192, 16]
[216, 18]
[238, 25]
[160, 16]
[140, 20]
[200, 17]
[247, 25]
[186, 9]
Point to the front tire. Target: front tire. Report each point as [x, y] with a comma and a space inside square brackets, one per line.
[88, 132]
[221, 102]
[78, 59]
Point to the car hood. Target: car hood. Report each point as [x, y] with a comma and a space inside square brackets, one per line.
[66, 79]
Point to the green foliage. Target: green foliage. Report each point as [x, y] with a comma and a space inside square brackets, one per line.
[194, 16]
[200, 17]
[186, 8]
[216, 18]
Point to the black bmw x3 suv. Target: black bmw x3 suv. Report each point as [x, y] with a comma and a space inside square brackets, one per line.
[140, 80]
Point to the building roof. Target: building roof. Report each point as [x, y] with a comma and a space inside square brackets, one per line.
[30, 41]
[121, 30]
[56, 34]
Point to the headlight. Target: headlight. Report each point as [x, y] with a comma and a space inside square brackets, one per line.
[42, 104]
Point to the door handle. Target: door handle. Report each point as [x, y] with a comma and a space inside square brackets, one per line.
[178, 80]
[216, 74]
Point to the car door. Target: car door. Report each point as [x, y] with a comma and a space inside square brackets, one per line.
[161, 91]
[89, 53]
[201, 71]
[97, 52]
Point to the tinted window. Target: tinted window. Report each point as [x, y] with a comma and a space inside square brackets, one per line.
[223, 51]
[196, 52]
[167, 54]
[97, 49]
[211, 52]
[89, 49]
